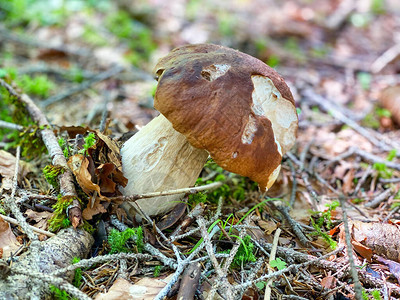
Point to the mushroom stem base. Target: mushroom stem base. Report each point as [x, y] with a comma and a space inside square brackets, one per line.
[156, 159]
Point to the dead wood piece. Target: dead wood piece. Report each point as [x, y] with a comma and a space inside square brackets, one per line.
[189, 282]
[57, 252]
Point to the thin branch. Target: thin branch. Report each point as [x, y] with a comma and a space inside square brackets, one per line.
[33, 228]
[353, 271]
[191, 190]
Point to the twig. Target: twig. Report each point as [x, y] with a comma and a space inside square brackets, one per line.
[294, 184]
[12, 126]
[380, 198]
[353, 271]
[294, 225]
[83, 86]
[272, 254]
[386, 58]
[222, 280]
[85, 263]
[340, 15]
[10, 202]
[35, 229]
[191, 190]
[58, 282]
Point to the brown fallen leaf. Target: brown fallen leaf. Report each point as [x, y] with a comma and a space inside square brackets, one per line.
[109, 176]
[268, 226]
[7, 167]
[329, 282]
[40, 218]
[144, 289]
[8, 241]
[97, 208]
[79, 166]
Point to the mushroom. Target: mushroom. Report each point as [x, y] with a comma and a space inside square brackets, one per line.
[213, 101]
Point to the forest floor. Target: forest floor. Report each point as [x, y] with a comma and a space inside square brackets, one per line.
[327, 229]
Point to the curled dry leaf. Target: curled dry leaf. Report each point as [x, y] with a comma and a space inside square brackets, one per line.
[390, 99]
[79, 166]
[8, 241]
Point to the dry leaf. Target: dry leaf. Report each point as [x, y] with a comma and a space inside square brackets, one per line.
[40, 218]
[7, 166]
[328, 282]
[8, 241]
[109, 176]
[89, 212]
[79, 166]
[144, 289]
[268, 226]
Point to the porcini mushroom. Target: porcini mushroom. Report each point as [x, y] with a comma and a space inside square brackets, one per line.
[213, 101]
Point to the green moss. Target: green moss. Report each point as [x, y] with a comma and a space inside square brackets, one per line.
[77, 281]
[245, 253]
[51, 173]
[157, 271]
[117, 240]
[12, 110]
[59, 219]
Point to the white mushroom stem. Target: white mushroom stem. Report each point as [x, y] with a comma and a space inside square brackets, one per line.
[157, 159]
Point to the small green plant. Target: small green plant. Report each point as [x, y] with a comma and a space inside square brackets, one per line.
[64, 146]
[365, 80]
[157, 271]
[245, 252]
[278, 263]
[77, 281]
[60, 294]
[59, 219]
[51, 173]
[261, 285]
[117, 239]
[382, 168]
[40, 85]
[375, 294]
[90, 141]
[325, 218]
[197, 198]
[378, 7]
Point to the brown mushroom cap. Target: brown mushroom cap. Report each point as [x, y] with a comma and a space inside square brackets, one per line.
[230, 104]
